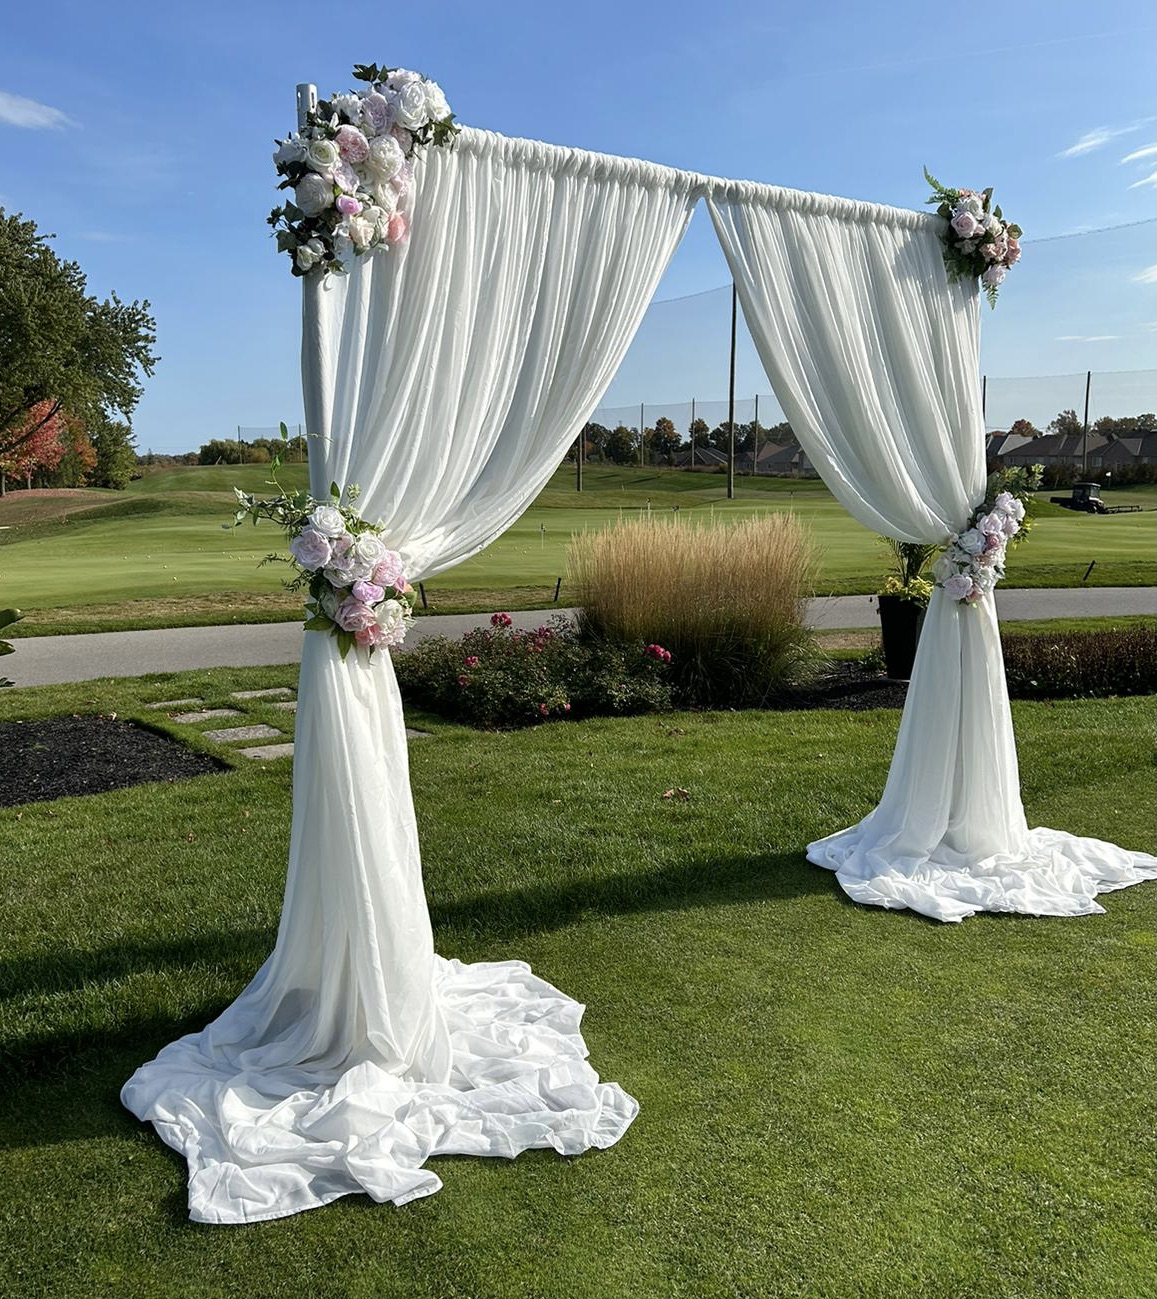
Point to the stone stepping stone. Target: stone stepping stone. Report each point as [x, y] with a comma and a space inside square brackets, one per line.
[417, 735]
[176, 703]
[277, 692]
[232, 734]
[268, 751]
[205, 715]
[287, 705]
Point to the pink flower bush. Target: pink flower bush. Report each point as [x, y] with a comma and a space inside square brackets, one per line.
[501, 620]
[658, 653]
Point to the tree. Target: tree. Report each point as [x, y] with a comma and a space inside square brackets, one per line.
[62, 349]
[1125, 424]
[42, 448]
[1066, 423]
[663, 440]
[619, 446]
[116, 456]
[781, 434]
[1022, 428]
[698, 431]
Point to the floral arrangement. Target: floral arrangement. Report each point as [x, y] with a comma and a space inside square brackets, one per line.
[351, 167]
[979, 243]
[357, 589]
[973, 561]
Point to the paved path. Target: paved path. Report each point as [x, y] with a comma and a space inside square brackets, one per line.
[53, 660]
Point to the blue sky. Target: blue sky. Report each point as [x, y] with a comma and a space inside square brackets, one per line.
[141, 135]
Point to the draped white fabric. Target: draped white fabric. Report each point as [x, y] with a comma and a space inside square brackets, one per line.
[446, 380]
[873, 356]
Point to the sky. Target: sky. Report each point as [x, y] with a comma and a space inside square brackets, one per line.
[141, 136]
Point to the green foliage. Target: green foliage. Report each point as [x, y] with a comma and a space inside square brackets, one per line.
[1078, 665]
[60, 345]
[619, 446]
[500, 677]
[909, 559]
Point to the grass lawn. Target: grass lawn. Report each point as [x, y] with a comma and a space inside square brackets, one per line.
[156, 554]
[836, 1100]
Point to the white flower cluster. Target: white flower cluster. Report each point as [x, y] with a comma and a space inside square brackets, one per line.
[350, 169]
[973, 561]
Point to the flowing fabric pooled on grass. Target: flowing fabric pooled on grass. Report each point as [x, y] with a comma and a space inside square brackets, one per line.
[873, 356]
[446, 380]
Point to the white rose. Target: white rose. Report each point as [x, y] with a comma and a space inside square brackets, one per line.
[436, 106]
[971, 542]
[327, 519]
[322, 156]
[943, 569]
[973, 203]
[349, 105]
[412, 106]
[291, 150]
[305, 257]
[386, 157]
[360, 230]
[329, 601]
[386, 199]
[313, 194]
[391, 618]
[369, 549]
[402, 77]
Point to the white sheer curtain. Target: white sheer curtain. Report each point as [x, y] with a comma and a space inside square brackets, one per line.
[873, 356]
[446, 381]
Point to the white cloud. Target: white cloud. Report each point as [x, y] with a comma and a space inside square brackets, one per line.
[1087, 338]
[1147, 276]
[1151, 179]
[103, 237]
[1149, 151]
[1097, 139]
[17, 111]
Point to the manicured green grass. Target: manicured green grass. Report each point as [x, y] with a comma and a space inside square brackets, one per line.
[157, 555]
[835, 1100]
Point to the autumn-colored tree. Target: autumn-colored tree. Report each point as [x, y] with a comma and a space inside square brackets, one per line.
[43, 445]
[1023, 428]
[663, 440]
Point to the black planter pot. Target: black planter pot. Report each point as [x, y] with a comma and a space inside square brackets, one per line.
[900, 623]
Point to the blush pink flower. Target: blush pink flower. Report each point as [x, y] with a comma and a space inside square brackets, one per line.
[369, 637]
[501, 620]
[352, 145]
[367, 592]
[388, 571]
[965, 225]
[470, 661]
[398, 229]
[354, 615]
[347, 205]
[958, 587]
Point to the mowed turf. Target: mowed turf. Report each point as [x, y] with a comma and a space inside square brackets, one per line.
[162, 541]
[836, 1100]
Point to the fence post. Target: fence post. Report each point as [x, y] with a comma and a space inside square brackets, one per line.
[1085, 428]
[731, 405]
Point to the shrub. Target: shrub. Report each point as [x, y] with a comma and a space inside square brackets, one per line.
[1079, 664]
[727, 601]
[497, 676]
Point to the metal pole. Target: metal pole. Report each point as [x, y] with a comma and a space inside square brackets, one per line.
[641, 422]
[240, 452]
[755, 439]
[578, 464]
[984, 399]
[306, 100]
[1085, 430]
[731, 404]
[691, 432]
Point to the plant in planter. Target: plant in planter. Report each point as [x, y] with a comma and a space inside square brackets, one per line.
[902, 601]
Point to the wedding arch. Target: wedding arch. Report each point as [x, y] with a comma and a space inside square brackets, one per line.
[447, 378]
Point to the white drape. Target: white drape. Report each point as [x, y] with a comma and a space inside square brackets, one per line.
[446, 380]
[873, 356]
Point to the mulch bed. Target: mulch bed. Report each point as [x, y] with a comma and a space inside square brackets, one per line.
[848, 687]
[65, 756]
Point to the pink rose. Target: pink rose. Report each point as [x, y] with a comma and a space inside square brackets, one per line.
[993, 276]
[352, 145]
[378, 113]
[990, 523]
[398, 229]
[388, 571]
[501, 620]
[345, 178]
[347, 205]
[369, 636]
[470, 661]
[566, 708]
[367, 592]
[463, 681]
[990, 251]
[965, 225]
[403, 137]
[958, 587]
[311, 548]
[993, 541]
[354, 615]
[1012, 256]
[543, 710]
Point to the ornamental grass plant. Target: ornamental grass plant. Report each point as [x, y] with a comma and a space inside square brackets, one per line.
[726, 600]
